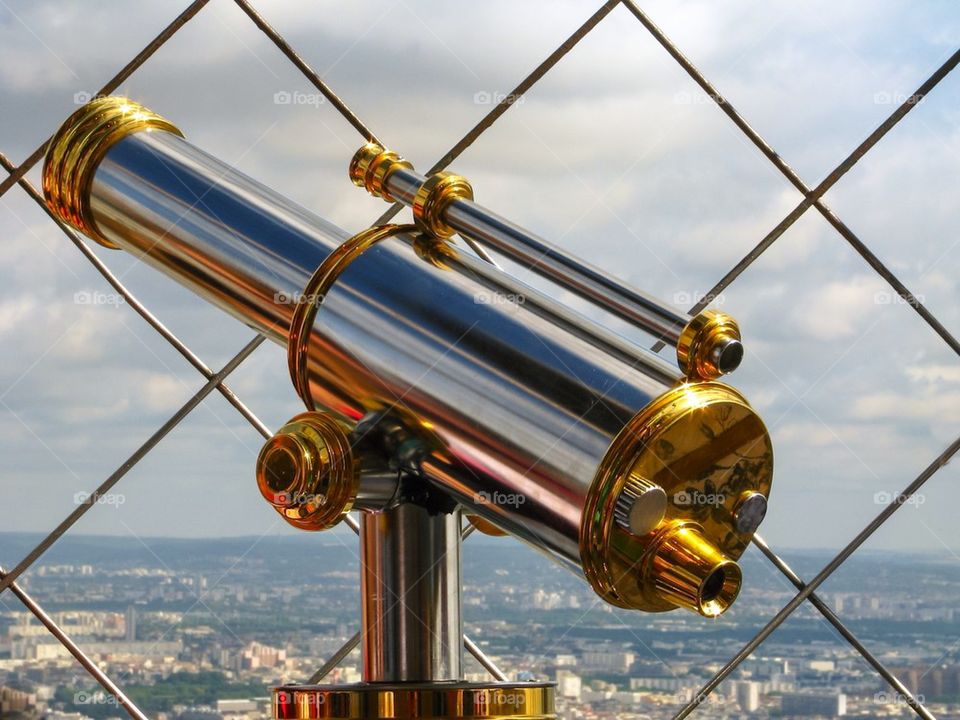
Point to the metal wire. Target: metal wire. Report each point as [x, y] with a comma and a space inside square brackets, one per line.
[112, 84]
[307, 71]
[787, 610]
[136, 305]
[788, 172]
[89, 665]
[812, 198]
[847, 634]
[128, 464]
[351, 644]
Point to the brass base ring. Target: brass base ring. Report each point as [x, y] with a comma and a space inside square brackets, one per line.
[423, 701]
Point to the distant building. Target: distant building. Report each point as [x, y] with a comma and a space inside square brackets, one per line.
[607, 660]
[568, 685]
[14, 701]
[130, 624]
[931, 682]
[748, 696]
[814, 705]
[49, 649]
[248, 708]
[257, 655]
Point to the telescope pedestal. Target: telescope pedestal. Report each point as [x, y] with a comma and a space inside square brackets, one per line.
[412, 631]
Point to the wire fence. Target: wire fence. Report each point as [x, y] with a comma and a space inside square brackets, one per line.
[216, 381]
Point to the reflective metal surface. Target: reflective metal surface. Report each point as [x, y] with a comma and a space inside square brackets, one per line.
[517, 397]
[226, 237]
[518, 408]
[410, 701]
[548, 260]
[410, 595]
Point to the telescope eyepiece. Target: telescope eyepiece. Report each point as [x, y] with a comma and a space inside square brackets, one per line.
[689, 571]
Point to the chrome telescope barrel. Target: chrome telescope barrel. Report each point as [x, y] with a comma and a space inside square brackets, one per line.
[530, 416]
[443, 204]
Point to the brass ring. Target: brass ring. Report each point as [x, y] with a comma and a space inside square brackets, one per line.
[434, 197]
[77, 148]
[372, 165]
[709, 346]
[361, 161]
[382, 167]
[317, 287]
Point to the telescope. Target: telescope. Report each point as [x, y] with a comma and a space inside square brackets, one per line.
[438, 386]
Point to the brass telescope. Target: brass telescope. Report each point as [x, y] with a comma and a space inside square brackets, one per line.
[436, 383]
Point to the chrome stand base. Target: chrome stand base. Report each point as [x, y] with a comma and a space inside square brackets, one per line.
[423, 701]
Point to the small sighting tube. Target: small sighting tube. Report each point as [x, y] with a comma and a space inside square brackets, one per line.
[530, 416]
[444, 205]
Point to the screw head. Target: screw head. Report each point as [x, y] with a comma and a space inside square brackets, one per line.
[750, 512]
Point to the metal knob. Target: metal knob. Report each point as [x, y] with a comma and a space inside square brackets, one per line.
[749, 513]
[307, 472]
[641, 506]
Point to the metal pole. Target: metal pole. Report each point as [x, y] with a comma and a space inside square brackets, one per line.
[549, 261]
[410, 595]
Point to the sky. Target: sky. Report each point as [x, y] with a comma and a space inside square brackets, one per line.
[615, 155]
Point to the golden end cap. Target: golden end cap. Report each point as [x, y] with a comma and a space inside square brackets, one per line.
[710, 346]
[370, 167]
[707, 451]
[77, 148]
[434, 197]
[307, 472]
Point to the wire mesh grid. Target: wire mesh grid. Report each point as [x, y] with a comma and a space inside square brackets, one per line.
[216, 381]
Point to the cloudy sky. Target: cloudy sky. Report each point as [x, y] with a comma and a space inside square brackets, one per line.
[615, 155]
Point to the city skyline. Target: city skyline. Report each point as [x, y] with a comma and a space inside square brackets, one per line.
[854, 417]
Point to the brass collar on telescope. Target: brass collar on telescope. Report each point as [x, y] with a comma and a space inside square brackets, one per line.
[316, 290]
[705, 447]
[77, 148]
